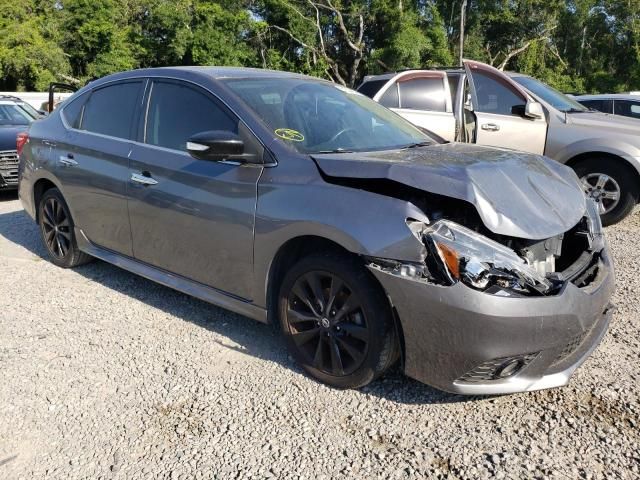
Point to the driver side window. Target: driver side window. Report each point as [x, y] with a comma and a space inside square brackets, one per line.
[495, 96]
[176, 112]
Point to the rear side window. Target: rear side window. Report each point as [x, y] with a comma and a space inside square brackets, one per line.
[600, 105]
[495, 96]
[73, 111]
[371, 87]
[110, 110]
[627, 108]
[176, 112]
[423, 94]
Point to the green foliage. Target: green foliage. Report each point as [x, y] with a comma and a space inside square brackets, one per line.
[574, 45]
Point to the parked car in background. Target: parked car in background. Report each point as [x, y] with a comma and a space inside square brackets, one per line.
[15, 118]
[480, 104]
[291, 199]
[623, 104]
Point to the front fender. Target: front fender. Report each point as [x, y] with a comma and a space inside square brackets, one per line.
[618, 148]
[362, 222]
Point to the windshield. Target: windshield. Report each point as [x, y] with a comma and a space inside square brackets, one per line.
[29, 109]
[12, 114]
[320, 117]
[550, 95]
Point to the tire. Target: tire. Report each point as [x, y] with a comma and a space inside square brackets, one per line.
[57, 232]
[358, 330]
[621, 177]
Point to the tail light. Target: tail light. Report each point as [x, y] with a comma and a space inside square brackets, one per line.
[21, 141]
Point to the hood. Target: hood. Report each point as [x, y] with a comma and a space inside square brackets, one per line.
[605, 121]
[516, 194]
[8, 135]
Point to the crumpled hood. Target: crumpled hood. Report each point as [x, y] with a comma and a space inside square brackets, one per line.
[516, 194]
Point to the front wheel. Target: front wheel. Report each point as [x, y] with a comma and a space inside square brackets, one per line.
[611, 184]
[337, 321]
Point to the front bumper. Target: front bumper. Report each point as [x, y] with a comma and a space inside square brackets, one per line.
[454, 335]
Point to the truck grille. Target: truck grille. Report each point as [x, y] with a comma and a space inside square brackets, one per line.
[9, 166]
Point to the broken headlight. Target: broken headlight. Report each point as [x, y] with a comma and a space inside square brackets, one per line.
[481, 263]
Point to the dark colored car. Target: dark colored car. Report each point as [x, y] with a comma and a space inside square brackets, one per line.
[15, 118]
[291, 199]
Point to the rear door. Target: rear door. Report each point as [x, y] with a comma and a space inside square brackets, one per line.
[423, 98]
[92, 161]
[192, 217]
[499, 105]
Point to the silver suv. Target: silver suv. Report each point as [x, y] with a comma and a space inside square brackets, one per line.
[480, 104]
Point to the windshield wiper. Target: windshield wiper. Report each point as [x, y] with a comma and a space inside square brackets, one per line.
[336, 150]
[418, 144]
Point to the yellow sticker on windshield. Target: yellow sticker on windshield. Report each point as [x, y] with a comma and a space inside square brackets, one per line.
[288, 134]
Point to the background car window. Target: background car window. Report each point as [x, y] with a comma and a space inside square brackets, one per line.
[600, 105]
[371, 87]
[72, 112]
[423, 94]
[110, 110]
[12, 114]
[177, 112]
[390, 97]
[495, 96]
[627, 108]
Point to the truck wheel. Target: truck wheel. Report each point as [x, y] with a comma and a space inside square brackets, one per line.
[337, 321]
[56, 230]
[611, 184]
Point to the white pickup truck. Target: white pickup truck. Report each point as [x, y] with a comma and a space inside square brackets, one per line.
[480, 104]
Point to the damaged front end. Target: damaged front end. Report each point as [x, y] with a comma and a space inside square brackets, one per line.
[503, 266]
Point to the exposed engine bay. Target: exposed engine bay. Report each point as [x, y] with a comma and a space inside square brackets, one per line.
[503, 265]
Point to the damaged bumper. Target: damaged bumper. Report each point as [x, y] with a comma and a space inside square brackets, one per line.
[466, 341]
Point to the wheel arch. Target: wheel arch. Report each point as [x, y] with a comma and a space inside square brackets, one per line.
[39, 188]
[295, 249]
[633, 170]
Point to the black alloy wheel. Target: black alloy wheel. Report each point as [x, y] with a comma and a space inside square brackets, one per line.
[327, 323]
[57, 231]
[337, 320]
[56, 228]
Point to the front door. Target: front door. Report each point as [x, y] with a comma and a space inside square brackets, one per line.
[92, 161]
[498, 106]
[191, 217]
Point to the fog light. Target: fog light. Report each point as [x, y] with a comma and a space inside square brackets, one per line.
[509, 368]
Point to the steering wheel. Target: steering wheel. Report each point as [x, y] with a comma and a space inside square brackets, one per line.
[340, 133]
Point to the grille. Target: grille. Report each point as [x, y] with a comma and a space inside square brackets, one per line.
[488, 371]
[570, 347]
[9, 166]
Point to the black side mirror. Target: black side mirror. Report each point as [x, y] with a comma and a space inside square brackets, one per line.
[218, 145]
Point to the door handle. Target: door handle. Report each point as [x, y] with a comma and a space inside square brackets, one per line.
[67, 160]
[490, 127]
[143, 179]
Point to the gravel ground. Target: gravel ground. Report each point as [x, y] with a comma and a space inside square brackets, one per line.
[107, 375]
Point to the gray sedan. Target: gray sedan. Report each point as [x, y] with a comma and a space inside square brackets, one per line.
[291, 199]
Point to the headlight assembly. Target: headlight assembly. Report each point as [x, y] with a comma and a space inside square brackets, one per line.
[480, 262]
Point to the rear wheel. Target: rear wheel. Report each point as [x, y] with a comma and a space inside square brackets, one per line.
[611, 184]
[56, 229]
[337, 321]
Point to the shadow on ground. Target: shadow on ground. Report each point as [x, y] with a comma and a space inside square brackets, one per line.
[253, 338]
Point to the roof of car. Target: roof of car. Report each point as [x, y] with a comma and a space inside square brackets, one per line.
[609, 96]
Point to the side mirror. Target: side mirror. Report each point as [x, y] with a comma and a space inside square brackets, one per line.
[218, 145]
[534, 110]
